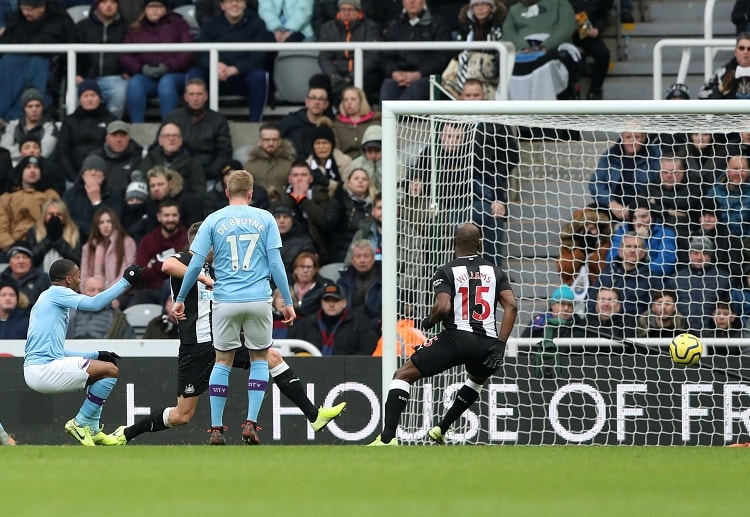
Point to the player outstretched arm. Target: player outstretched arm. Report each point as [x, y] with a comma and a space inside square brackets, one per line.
[103, 299]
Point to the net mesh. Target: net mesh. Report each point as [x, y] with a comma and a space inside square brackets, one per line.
[535, 185]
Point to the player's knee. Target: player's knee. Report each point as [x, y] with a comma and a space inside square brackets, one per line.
[111, 370]
[180, 417]
[274, 358]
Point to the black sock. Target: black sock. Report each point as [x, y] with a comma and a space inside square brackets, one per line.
[394, 406]
[464, 399]
[151, 424]
[290, 385]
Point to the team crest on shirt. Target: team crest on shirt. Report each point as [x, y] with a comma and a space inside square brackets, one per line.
[189, 389]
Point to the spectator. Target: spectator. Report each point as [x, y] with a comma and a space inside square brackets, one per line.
[104, 24]
[348, 209]
[155, 74]
[350, 23]
[217, 198]
[407, 72]
[662, 320]
[163, 326]
[21, 208]
[83, 131]
[335, 329]
[584, 243]
[309, 203]
[371, 229]
[108, 323]
[678, 91]
[270, 159]
[306, 284]
[54, 236]
[34, 22]
[288, 20]
[729, 81]
[626, 11]
[660, 240]
[6, 169]
[31, 281]
[723, 324]
[205, 132]
[172, 154]
[700, 284]
[240, 73]
[376, 10]
[672, 197]
[371, 158]
[90, 192]
[705, 160]
[560, 315]
[741, 15]
[629, 275]
[108, 249]
[29, 145]
[607, 321]
[328, 164]
[591, 18]
[623, 172]
[355, 116]
[294, 239]
[14, 320]
[165, 184]
[156, 247]
[135, 218]
[298, 126]
[120, 154]
[363, 283]
[32, 122]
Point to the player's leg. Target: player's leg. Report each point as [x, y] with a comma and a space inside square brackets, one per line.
[5, 438]
[395, 403]
[257, 327]
[101, 382]
[227, 324]
[290, 385]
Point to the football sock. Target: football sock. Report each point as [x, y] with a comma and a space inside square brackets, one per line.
[256, 388]
[290, 385]
[96, 396]
[153, 423]
[398, 396]
[218, 387]
[466, 396]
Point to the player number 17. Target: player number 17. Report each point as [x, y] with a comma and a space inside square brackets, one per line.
[234, 246]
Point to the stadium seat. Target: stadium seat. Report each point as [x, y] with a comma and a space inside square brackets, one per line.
[188, 13]
[332, 271]
[292, 70]
[139, 315]
[79, 12]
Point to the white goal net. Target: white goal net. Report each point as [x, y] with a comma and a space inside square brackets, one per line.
[619, 224]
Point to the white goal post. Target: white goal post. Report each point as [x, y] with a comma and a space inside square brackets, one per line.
[629, 398]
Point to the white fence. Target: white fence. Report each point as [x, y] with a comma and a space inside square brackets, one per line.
[687, 44]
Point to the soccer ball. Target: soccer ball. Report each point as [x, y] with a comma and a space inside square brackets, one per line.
[686, 349]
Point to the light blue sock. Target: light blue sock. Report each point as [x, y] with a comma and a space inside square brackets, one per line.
[256, 388]
[91, 409]
[218, 388]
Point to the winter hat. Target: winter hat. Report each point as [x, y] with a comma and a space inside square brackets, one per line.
[472, 3]
[563, 293]
[354, 3]
[702, 244]
[32, 3]
[93, 161]
[373, 137]
[678, 91]
[31, 94]
[146, 2]
[279, 209]
[29, 137]
[20, 247]
[9, 283]
[325, 132]
[89, 84]
[136, 190]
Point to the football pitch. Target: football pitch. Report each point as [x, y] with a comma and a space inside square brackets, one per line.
[374, 481]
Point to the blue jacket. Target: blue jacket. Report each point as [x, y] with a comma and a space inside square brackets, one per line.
[733, 207]
[698, 290]
[373, 306]
[607, 183]
[16, 326]
[633, 287]
[662, 248]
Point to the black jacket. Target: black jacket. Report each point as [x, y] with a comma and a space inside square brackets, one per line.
[92, 30]
[206, 136]
[354, 335]
[82, 132]
[429, 28]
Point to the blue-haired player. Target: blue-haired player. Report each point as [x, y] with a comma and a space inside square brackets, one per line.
[49, 368]
[246, 245]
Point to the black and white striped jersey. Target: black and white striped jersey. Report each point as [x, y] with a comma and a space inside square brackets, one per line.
[196, 327]
[474, 285]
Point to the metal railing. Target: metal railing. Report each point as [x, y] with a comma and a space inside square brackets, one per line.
[687, 44]
[505, 50]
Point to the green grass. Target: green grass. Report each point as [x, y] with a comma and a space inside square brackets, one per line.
[360, 481]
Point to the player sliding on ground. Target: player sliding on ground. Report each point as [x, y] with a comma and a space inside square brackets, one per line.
[467, 291]
[49, 368]
[196, 359]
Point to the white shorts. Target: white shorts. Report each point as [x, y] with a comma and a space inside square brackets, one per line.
[254, 318]
[59, 376]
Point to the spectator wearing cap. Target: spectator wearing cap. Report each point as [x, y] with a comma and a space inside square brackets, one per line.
[298, 126]
[240, 73]
[104, 24]
[678, 92]
[29, 145]
[328, 164]
[371, 158]
[156, 74]
[700, 284]
[89, 192]
[34, 22]
[22, 206]
[34, 121]
[561, 313]
[363, 282]
[205, 132]
[731, 80]
[14, 319]
[294, 238]
[354, 117]
[135, 218]
[54, 236]
[271, 158]
[335, 328]
[31, 281]
[120, 154]
[350, 24]
[216, 197]
[83, 131]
